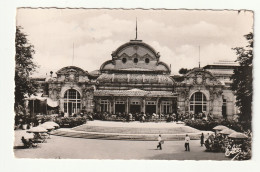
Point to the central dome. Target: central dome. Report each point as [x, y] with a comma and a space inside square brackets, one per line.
[135, 56]
[135, 47]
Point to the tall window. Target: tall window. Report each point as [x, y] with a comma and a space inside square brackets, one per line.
[72, 102]
[166, 107]
[198, 103]
[104, 105]
[224, 108]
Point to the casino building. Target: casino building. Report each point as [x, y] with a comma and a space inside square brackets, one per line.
[135, 80]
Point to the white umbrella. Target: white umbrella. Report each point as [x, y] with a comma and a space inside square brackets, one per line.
[220, 127]
[238, 135]
[47, 126]
[38, 129]
[227, 131]
[54, 124]
[28, 135]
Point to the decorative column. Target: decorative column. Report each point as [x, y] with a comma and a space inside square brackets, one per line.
[160, 107]
[157, 104]
[99, 105]
[127, 105]
[114, 105]
[110, 105]
[144, 103]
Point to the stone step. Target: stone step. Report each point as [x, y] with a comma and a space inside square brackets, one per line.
[128, 130]
[114, 136]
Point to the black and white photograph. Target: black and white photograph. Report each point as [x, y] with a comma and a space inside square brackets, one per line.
[133, 84]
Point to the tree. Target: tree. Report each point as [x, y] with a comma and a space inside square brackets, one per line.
[184, 71]
[24, 67]
[242, 79]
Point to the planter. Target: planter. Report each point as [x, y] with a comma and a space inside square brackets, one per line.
[24, 126]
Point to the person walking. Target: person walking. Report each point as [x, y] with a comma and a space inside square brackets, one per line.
[159, 142]
[202, 139]
[187, 143]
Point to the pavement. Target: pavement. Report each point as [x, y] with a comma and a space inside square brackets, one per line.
[58, 147]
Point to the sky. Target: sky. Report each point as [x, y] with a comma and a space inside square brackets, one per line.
[96, 33]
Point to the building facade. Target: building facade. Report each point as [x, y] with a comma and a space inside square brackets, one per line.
[134, 80]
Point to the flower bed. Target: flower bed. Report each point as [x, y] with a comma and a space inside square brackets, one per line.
[210, 124]
[69, 122]
[64, 122]
[238, 149]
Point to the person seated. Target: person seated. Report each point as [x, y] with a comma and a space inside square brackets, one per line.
[38, 138]
[130, 117]
[33, 144]
[90, 117]
[45, 135]
[26, 143]
[143, 117]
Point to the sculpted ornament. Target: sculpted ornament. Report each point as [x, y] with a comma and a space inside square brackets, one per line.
[199, 79]
[190, 81]
[87, 90]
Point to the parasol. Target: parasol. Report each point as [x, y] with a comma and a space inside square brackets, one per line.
[47, 126]
[227, 131]
[238, 135]
[220, 127]
[51, 123]
[28, 135]
[38, 129]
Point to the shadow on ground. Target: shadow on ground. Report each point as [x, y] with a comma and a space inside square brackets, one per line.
[20, 147]
[184, 155]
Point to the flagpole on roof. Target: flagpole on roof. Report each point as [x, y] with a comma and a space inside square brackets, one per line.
[136, 29]
[199, 56]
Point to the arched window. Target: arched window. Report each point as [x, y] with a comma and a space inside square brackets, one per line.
[224, 108]
[198, 103]
[72, 102]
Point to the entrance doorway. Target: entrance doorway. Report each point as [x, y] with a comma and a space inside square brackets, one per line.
[198, 103]
[120, 108]
[198, 109]
[224, 108]
[135, 109]
[72, 102]
[150, 109]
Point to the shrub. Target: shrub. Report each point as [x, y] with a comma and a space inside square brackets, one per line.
[69, 122]
[209, 125]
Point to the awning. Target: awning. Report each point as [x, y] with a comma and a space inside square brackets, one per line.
[134, 92]
[52, 103]
[38, 96]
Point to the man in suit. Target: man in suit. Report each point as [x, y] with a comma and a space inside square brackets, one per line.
[187, 143]
[159, 142]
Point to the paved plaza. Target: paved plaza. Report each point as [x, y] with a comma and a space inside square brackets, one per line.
[79, 148]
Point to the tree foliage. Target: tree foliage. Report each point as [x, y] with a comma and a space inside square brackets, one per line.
[242, 79]
[24, 67]
[184, 71]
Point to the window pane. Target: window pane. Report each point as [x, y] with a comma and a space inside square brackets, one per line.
[198, 96]
[65, 107]
[204, 108]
